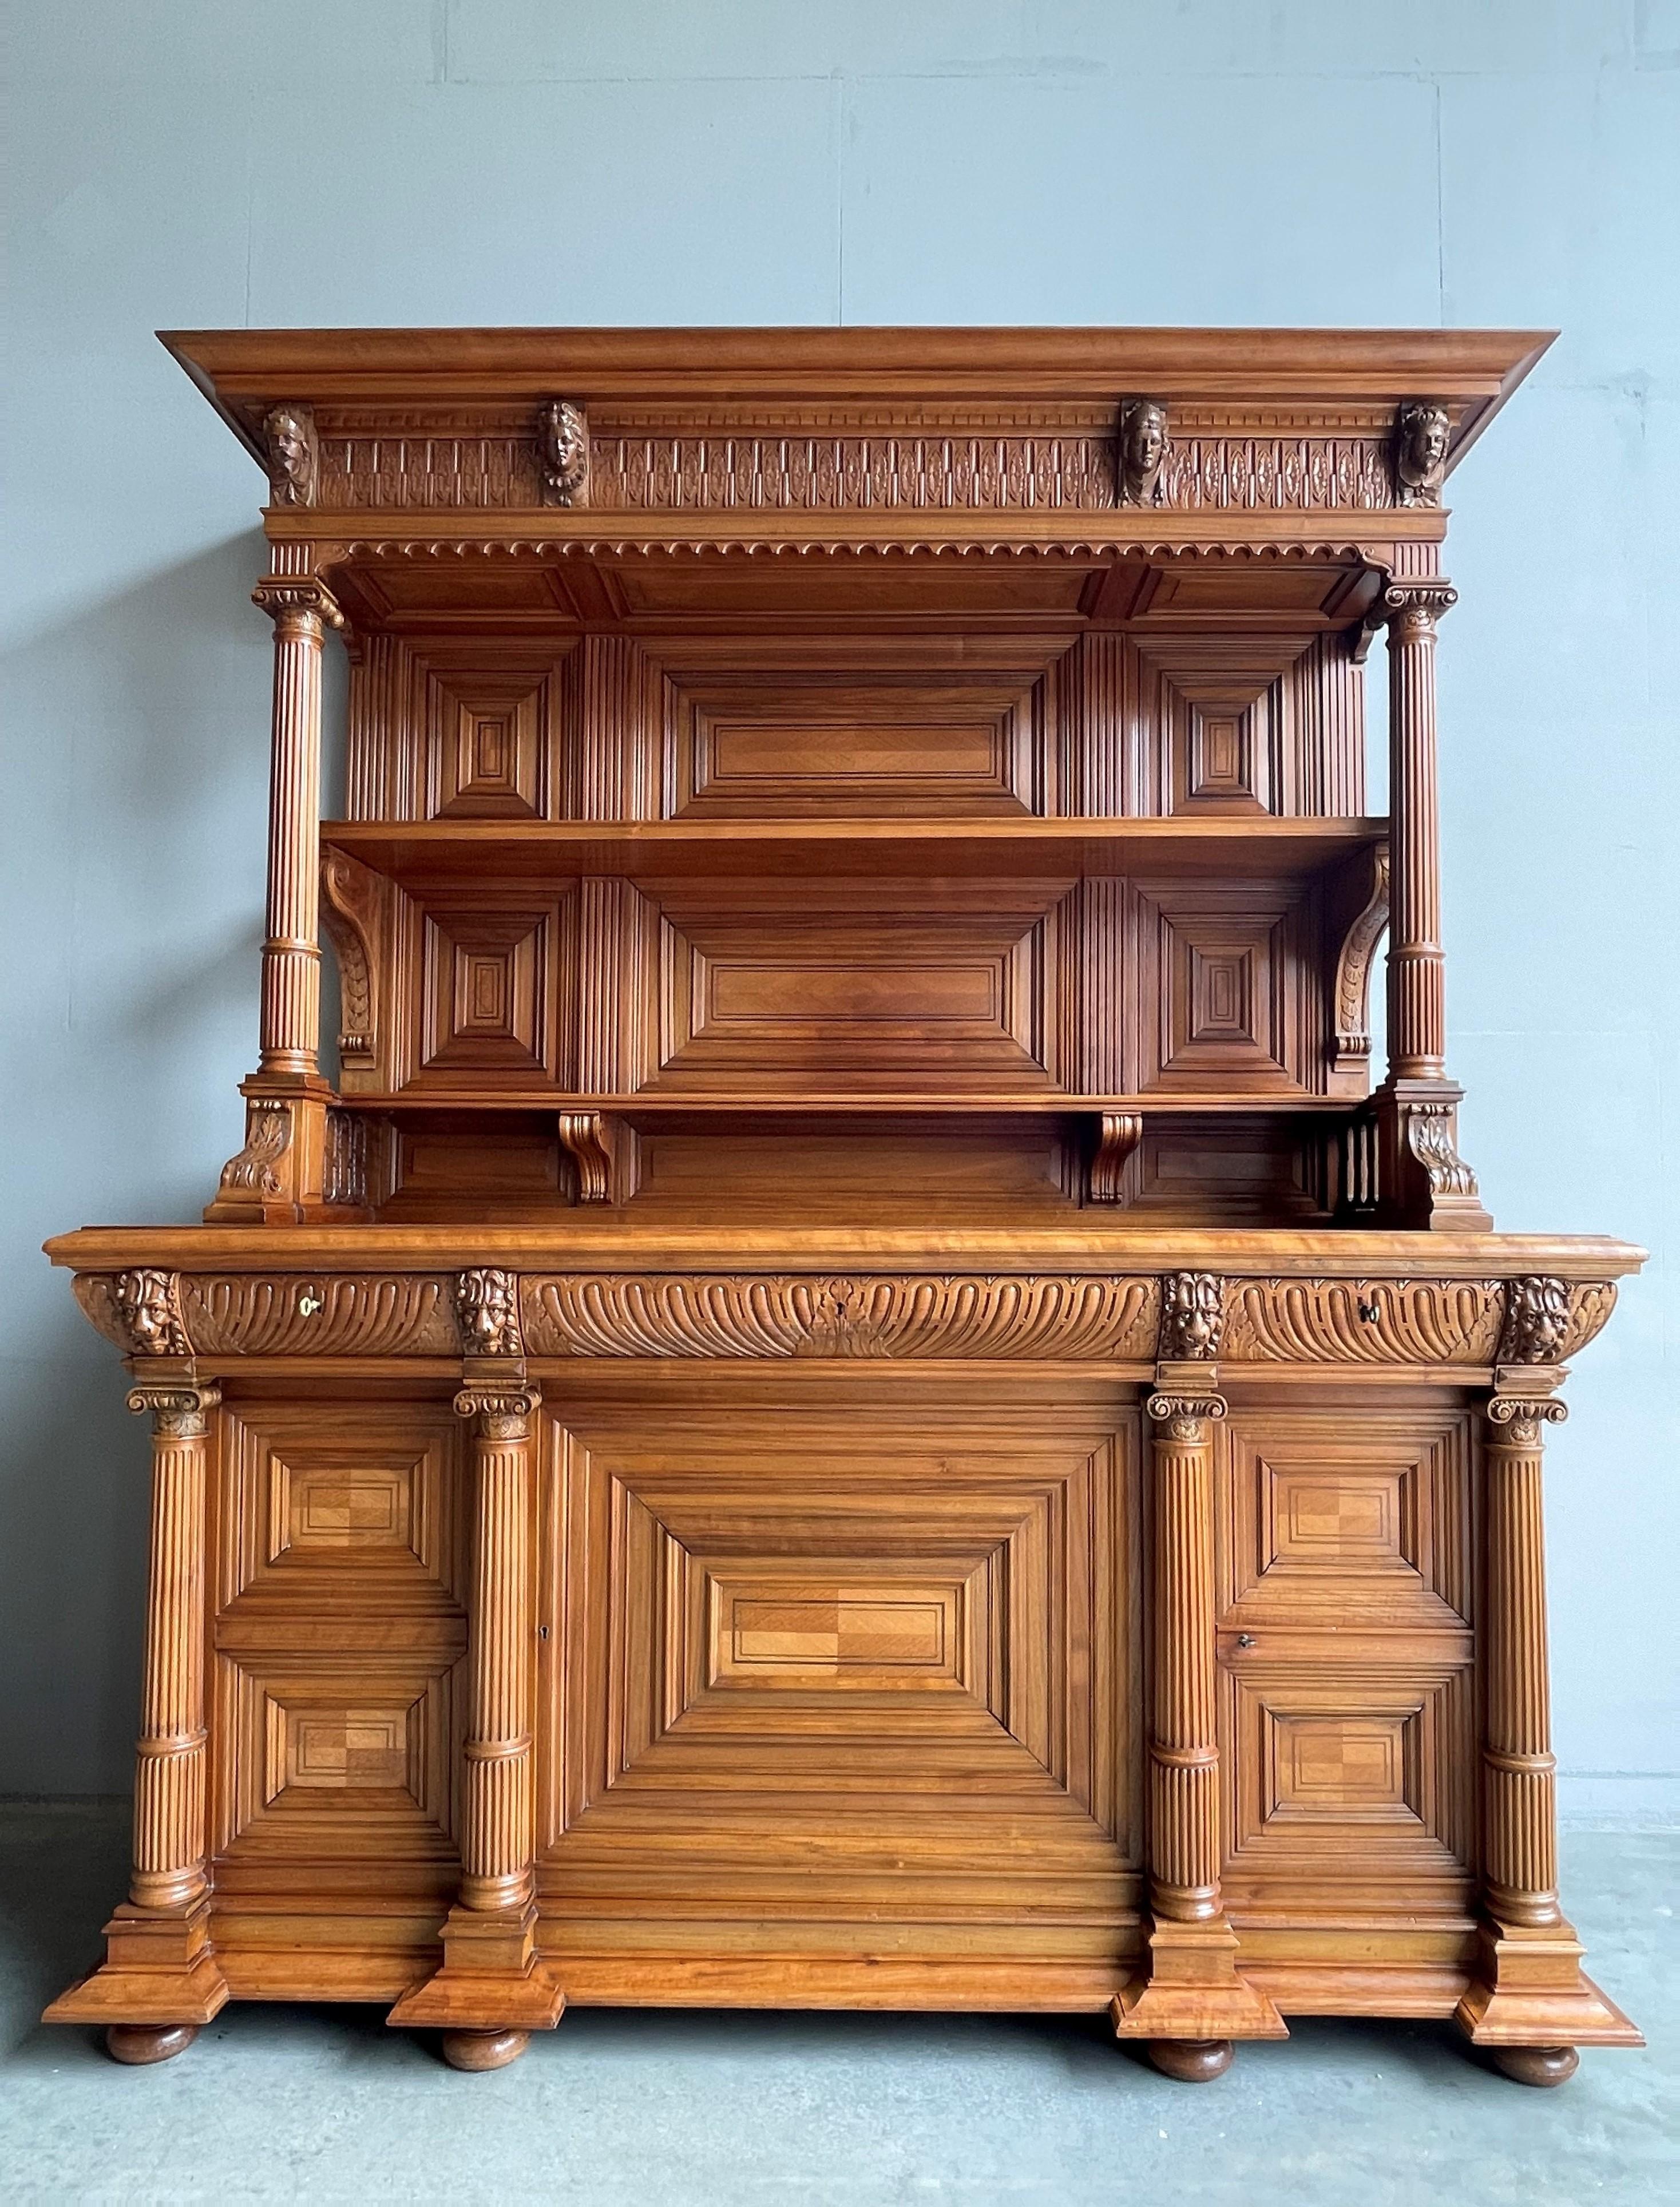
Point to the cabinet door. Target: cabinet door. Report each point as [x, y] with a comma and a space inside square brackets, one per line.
[1346, 1655]
[338, 1630]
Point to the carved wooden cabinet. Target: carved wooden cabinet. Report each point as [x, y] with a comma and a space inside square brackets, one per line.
[850, 1398]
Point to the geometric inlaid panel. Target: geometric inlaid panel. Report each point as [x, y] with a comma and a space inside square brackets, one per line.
[792, 1651]
[320, 1758]
[339, 1503]
[486, 987]
[1366, 1772]
[487, 743]
[1330, 1519]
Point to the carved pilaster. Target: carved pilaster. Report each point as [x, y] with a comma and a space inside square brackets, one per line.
[1530, 1991]
[160, 1968]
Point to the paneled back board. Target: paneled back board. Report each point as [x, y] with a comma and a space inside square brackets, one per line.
[848, 1394]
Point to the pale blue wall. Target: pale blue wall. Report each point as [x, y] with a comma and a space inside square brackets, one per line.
[200, 163]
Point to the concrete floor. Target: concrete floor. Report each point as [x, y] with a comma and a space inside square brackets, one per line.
[666, 2109]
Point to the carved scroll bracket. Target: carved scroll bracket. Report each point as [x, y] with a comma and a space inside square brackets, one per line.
[1118, 1136]
[1350, 1051]
[605, 1153]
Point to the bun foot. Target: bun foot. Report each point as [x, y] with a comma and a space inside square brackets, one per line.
[1536, 2065]
[1191, 2061]
[135, 2044]
[483, 2049]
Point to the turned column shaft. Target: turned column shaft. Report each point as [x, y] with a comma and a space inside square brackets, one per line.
[1417, 1016]
[1183, 1751]
[1520, 1846]
[292, 950]
[169, 1846]
[497, 1832]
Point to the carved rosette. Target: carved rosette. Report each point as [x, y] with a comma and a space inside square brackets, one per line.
[1192, 1317]
[148, 1303]
[486, 1302]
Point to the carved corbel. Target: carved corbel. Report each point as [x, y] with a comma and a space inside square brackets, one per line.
[1141, 452]
[355, 901]
[1350, 1052]
[563, 452]
[291, 454]
[1118, 1135]
[605, 1153]
[1418, 448]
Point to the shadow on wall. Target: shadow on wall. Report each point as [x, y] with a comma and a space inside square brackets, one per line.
[142, 753]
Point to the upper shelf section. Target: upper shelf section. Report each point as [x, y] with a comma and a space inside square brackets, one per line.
[1247, 848]
[622, 444]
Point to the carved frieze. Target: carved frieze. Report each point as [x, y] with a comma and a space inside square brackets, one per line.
[1362, 1321]
[1203, 469]
[784, 1315]
[320, 1314]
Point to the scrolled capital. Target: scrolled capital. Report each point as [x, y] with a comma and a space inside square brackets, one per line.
[502, 1413]
[1412, 607]
[300, 606]
[1517, 1418]
[179, 1412]
[1186, 1417]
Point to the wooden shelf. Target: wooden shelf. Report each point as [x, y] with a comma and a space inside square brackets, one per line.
[1242, 846]
[920, 1104]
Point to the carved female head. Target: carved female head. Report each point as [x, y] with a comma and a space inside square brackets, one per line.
[563, 447]
[1143, 449]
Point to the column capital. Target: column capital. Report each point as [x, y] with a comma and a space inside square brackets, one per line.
[300, 603]
[504, 1413]
[1416, 602]
[180, 1409]
[1186, 1417]
[1517, 1418]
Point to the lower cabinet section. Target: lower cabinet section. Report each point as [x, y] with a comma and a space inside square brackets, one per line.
[798, 1672]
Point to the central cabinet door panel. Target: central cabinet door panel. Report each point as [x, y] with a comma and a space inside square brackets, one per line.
[842, 1670]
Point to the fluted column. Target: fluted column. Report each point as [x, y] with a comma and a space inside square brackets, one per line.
[497, 1832]
[168, 1845]
[1417, 1020]
[1520, 1840]
[302, 609]
[1184, 1851]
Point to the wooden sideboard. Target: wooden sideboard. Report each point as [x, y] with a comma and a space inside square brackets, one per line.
[844, 1394]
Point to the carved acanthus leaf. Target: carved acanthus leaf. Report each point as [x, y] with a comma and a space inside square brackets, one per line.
[254, 1171]
[1430, 1137]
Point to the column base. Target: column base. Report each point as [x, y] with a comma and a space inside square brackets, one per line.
[158, 1970]
[1192, 1989]
[1531, 1993]
[493, 1979]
